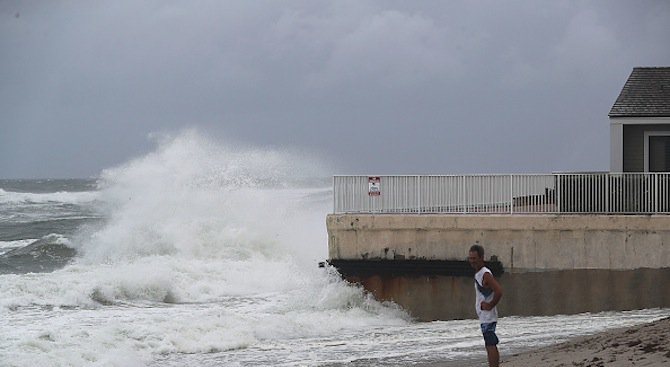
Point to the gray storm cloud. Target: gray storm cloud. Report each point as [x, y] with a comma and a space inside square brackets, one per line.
[373, 86]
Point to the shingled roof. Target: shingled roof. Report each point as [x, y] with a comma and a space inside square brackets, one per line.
[645, 94]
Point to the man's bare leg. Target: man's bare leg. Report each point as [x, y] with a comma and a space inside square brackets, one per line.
[494, 357]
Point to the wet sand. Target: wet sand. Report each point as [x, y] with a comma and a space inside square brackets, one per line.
[641, 345]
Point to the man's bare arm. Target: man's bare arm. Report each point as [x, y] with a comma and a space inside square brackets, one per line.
[490, 282]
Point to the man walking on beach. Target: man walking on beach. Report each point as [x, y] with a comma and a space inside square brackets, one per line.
[487, 295]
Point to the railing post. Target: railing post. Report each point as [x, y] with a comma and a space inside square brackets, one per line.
[557, 177]
[465, 202]
[656, 203]
[607, 193]
[418, 195]
[334, 196]
[511, 195]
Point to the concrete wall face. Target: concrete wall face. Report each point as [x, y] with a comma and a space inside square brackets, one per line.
[525, 294]
[553, 264]
[521, 242]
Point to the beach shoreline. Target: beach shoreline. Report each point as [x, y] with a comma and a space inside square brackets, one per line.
[646, 344]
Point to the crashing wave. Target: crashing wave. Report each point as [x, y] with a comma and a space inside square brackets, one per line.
[47, 254]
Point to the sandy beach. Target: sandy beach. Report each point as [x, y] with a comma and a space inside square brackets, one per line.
[641, 345]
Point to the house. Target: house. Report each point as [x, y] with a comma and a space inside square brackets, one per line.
[640, 123]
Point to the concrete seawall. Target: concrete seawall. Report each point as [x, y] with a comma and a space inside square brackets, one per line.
[553, 264]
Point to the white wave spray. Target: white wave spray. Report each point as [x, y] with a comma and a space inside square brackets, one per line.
[224, 240]
[243, 217]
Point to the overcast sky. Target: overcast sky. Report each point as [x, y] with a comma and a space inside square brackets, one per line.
[383, 87]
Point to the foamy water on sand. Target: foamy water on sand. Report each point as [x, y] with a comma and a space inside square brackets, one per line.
[205, 254]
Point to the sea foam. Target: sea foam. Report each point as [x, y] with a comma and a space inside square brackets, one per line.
[61, 197]
[203, 248]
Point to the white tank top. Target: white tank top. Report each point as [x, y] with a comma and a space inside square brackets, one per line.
[484, 294]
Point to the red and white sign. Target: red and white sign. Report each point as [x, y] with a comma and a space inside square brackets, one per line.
[374, 188]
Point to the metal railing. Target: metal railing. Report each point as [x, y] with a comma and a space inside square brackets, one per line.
[558, 193]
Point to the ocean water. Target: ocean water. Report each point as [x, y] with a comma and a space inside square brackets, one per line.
[205, 254]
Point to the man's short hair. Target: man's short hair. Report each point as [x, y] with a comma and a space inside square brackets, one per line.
[478, 249]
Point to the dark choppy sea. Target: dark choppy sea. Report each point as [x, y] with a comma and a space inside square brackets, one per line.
[201, 255]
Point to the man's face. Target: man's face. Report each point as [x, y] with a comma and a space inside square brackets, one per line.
[475, 261]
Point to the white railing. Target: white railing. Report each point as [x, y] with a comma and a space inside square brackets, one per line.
[558, 193]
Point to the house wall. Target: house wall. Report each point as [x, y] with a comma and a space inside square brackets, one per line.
[633, 140]
[633, 145]
[616, 146]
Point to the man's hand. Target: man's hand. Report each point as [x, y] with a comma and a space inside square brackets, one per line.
[486, 306]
